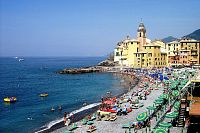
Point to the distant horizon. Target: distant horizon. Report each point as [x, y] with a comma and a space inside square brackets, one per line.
[88, 28]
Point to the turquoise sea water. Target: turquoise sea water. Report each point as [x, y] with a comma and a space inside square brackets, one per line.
[28, 78]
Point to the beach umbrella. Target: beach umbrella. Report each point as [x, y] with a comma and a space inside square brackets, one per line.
[160, 130]
[158, 101]
[165, 124]
[177, 105]
[164, 96]
[175, 93]
[142, 116]
[171, 115]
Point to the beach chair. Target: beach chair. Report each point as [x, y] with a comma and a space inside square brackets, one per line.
[127, 125]
[106, 118]
[90, 122]
[91, 129]
[93, 117]
[84, 122]
[74, 126]
[113, 118]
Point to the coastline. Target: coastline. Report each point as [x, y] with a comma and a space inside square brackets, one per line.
[127, 79]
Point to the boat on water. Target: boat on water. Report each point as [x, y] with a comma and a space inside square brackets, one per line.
[21, 59]
[44, 95]
[10, 99]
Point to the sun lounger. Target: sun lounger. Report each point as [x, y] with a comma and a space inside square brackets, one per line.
[90, 122]
[84, 121]
[74, 126]
[91, 129]
[128, 125]
[106, 118]
[113, 118]
[93, 117]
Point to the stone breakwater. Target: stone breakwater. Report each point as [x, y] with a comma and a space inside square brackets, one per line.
[80, 70]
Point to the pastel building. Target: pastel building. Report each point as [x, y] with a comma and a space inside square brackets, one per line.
[184, 51]
[140, 52]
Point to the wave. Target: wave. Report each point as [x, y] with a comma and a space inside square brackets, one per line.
[52, 123]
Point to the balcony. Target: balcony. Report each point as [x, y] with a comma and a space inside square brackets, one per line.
[194, 54]
[193, 50]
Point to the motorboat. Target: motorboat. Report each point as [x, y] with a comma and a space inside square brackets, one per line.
[10, 99]
[44, 94]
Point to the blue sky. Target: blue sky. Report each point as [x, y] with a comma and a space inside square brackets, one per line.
[88, 27]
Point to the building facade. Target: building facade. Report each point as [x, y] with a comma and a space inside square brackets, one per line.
[140, 52]
[184, 51]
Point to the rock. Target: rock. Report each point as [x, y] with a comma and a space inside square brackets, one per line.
[79, 70]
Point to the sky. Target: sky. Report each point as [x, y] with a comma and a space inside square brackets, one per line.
[88, 27]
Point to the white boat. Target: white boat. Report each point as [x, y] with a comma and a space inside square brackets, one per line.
[21, 59]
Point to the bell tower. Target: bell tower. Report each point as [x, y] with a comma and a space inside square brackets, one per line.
[141, 35]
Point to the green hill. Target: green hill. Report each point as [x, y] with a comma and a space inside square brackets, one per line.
[194, 35]
[169, 39]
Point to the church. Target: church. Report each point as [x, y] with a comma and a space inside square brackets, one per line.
[140, 52]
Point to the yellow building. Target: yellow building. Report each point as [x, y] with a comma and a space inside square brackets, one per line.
[124, 50]
[151, 56]
[141, 52]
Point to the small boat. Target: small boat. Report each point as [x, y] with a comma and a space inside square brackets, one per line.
[10, 99]
[21, 59]
[44, 95]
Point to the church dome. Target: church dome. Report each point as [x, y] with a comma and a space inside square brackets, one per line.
[141, 28]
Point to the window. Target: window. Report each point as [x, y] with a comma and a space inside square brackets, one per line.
[117, 53]
[150, 54]
[131, 42]
[149, 47]
[137, 49]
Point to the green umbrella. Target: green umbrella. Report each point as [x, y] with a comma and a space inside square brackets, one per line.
[177, 105]
[151, 108]
[171, 115]
[160, 130]
[142, 116]
[175, 93]
[164, 96]
[165, 124]
[158, 101]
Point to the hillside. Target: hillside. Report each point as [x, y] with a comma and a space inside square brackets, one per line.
[194, 35]
[169, 39]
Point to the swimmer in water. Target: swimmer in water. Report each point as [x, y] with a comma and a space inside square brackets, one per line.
[52, 109]
[60, 108]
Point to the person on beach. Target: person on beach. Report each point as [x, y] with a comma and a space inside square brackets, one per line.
[65, 118]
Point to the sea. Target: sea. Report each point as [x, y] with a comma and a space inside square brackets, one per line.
[26, 79]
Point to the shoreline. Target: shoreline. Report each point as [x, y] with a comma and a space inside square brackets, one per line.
[82, 114]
